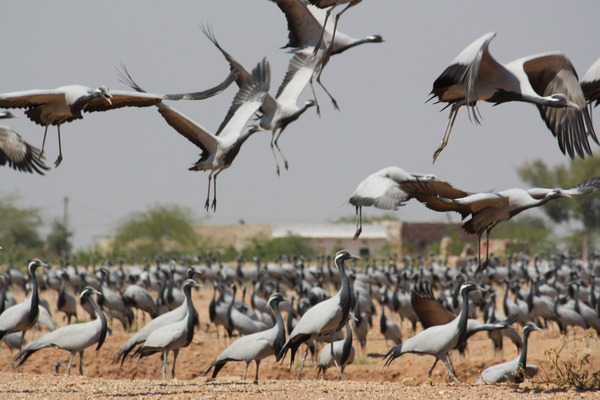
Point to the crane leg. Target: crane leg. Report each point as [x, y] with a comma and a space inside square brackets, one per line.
[358, 222]
[303, 360]
[214, 202]
[449, 125]
[449, 370]
[432, 367]
[70, 363]
[320, 41]
[207, 203]
[175, 354]
[41, 153]
[7, 357]
[246, 370]
[60, 157]
[273, 151]
[317, 106]
[81, 362]
[324, 61]
[256, 376]
[285, 161]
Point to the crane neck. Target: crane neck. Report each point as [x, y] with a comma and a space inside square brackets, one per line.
[191, 312]
[522, 363]
[345, 294]
[463, 317]
[347, 347]
[280, 335]
[99, 316]
[34, 310]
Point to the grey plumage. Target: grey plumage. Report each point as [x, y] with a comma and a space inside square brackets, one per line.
[74, 338]
[341, 352]
[438, 340]
[515, 370]
[324, 318]
[172, 337]
[22, 316]
[382, 189]
[256, 346]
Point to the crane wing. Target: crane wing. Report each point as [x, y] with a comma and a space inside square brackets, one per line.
[428, 309]
[304, 29]
[121, 98]
[551, 74]
[30, 98]
[189, 129]
[299, 73]
[458, 81]
[19, 154]
[437, 195]
[247, 101]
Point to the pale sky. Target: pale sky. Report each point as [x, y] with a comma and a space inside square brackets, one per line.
[125, 160]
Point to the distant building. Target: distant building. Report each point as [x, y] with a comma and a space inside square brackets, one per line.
[391, 236]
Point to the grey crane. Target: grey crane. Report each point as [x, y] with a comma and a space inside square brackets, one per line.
[388, 328]
[74, 338]
[65, 302]
[515, 370]
[113, 302]
[67, 103]
[487, 209]
[160, 321]
[16, 152]
[241, 322]
[341, 350]
[254, 347]
[172, 337]
[308, 35]
[547, 80]
[324, 318]
[136, 296]
[22, 316]
[279, 111]
[381, 189]
[220, 149]
[431, 313]
[438, 340]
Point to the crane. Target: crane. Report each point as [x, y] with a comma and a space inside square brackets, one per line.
[547, 80]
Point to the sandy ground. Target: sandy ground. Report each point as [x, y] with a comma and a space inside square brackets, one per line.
[406, 377]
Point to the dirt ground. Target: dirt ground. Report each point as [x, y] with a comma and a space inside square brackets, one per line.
[406, 377]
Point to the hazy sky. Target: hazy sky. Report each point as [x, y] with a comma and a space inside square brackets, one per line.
[128, 159]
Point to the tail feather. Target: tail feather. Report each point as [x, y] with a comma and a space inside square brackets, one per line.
[391, 355]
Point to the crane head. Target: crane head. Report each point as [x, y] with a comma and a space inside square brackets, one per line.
[104, 93]
[562, 100]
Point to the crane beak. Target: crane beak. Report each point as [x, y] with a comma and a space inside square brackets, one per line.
[573, 105]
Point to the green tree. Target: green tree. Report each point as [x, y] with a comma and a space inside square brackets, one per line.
[58, 240]
[19, 236]
[266, 248]
[583, 209]
[161, 229]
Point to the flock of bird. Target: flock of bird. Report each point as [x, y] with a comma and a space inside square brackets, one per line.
[291, 308]
[551, 291]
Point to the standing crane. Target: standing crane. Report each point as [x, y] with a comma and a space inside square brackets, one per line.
[74, 338]
[256, 346]
[438, 340]
[324, 318]
[172, 337]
